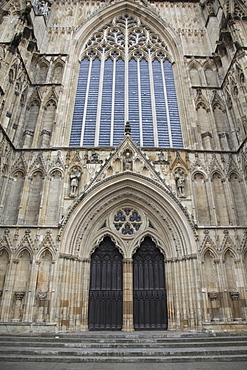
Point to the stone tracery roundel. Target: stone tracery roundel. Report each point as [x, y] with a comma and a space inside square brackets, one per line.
[127, 221]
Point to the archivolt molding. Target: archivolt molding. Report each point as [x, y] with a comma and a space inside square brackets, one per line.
[228, 245]
[5, 243]
[155, 239]
[47, 244]
[243, 246]
[20, 165]
[85, 219]
[116, 240]
[208, 245]
[116, 178]
[26, 244]
[110, 11]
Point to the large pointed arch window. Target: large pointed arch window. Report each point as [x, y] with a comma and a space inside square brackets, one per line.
[126, 75]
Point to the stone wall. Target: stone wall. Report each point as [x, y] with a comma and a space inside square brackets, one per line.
[57, 203]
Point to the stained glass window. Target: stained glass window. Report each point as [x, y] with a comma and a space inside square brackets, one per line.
[126, 75]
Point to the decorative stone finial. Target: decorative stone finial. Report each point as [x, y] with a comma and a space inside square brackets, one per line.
[127, 128]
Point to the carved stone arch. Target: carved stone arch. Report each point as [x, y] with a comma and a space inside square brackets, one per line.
[114, 238]
[208, 246]
[199, 172]
[22, 249]
[210, 71]
[218, 172]
[202, 104]
[44, 61]
[24, 96]
[201, 101]
[32, 102]
[38, 164]
[5, 256]
[171, 235]
[14, 69]
[58, 68]
[35, 171]
[47, 245]
[217, 102]
[155, 238]
[5, 244]
[193, 63]
[32, 114]
[201, 199]
[43, 67]
[35, 96]
[149, 17]
[243, 246]
[209, 64]
[228, 246]
[166, 55]
[161, 27]
[91, 208]
[17, 170]
[93, 53]
[50, 101]
[56, 169]
[195, 72]
[234, 172]
[49, 114]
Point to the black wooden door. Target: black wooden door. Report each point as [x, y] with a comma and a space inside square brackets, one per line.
[106, 288]
[150, 307]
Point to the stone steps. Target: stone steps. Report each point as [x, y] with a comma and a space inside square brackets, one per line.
[122, 347]
[121, 344]
[117, 359]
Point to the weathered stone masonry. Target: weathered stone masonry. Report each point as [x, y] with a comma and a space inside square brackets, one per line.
[59, 202]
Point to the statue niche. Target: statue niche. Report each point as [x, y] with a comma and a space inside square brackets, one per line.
[127, 160]
[75, 176]
[180, 183]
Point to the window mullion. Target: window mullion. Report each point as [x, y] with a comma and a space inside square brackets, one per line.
[156, 141]
[113, 101]
[126, 84]
[97, 128]
[139, 102]
[166, 103]
[86, 102]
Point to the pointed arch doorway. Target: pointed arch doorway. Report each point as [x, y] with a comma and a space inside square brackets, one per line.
[106, 288]
[149, 290]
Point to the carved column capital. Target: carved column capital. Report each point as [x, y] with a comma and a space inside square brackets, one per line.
[19, 295]
[234, 296]
[128, 260]
[213, 295]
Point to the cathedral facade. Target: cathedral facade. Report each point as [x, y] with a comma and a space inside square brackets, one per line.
[123, 161]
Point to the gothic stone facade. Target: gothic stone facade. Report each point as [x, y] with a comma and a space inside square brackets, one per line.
[59, 203]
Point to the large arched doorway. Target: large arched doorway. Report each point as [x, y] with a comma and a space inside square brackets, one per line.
[106, 288]
[150, 307]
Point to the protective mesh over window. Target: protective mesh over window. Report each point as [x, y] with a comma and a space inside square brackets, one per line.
[126, 75]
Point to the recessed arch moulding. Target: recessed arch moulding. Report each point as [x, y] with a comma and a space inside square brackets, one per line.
[151, 19]
[144, 13]
[161, 218]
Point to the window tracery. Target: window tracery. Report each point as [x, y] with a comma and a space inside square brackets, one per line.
[126, 75]
[127, 221]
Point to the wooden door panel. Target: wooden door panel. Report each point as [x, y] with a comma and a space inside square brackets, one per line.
[106, 288]
[150, 307]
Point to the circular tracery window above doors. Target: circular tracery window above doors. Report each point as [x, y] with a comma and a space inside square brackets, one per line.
[127, 221]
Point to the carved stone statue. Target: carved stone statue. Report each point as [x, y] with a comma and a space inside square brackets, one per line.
[42, 7]
[180, 183]
[127, 162]
[74, 182]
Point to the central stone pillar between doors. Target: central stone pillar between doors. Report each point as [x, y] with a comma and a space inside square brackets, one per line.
[128, 324]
